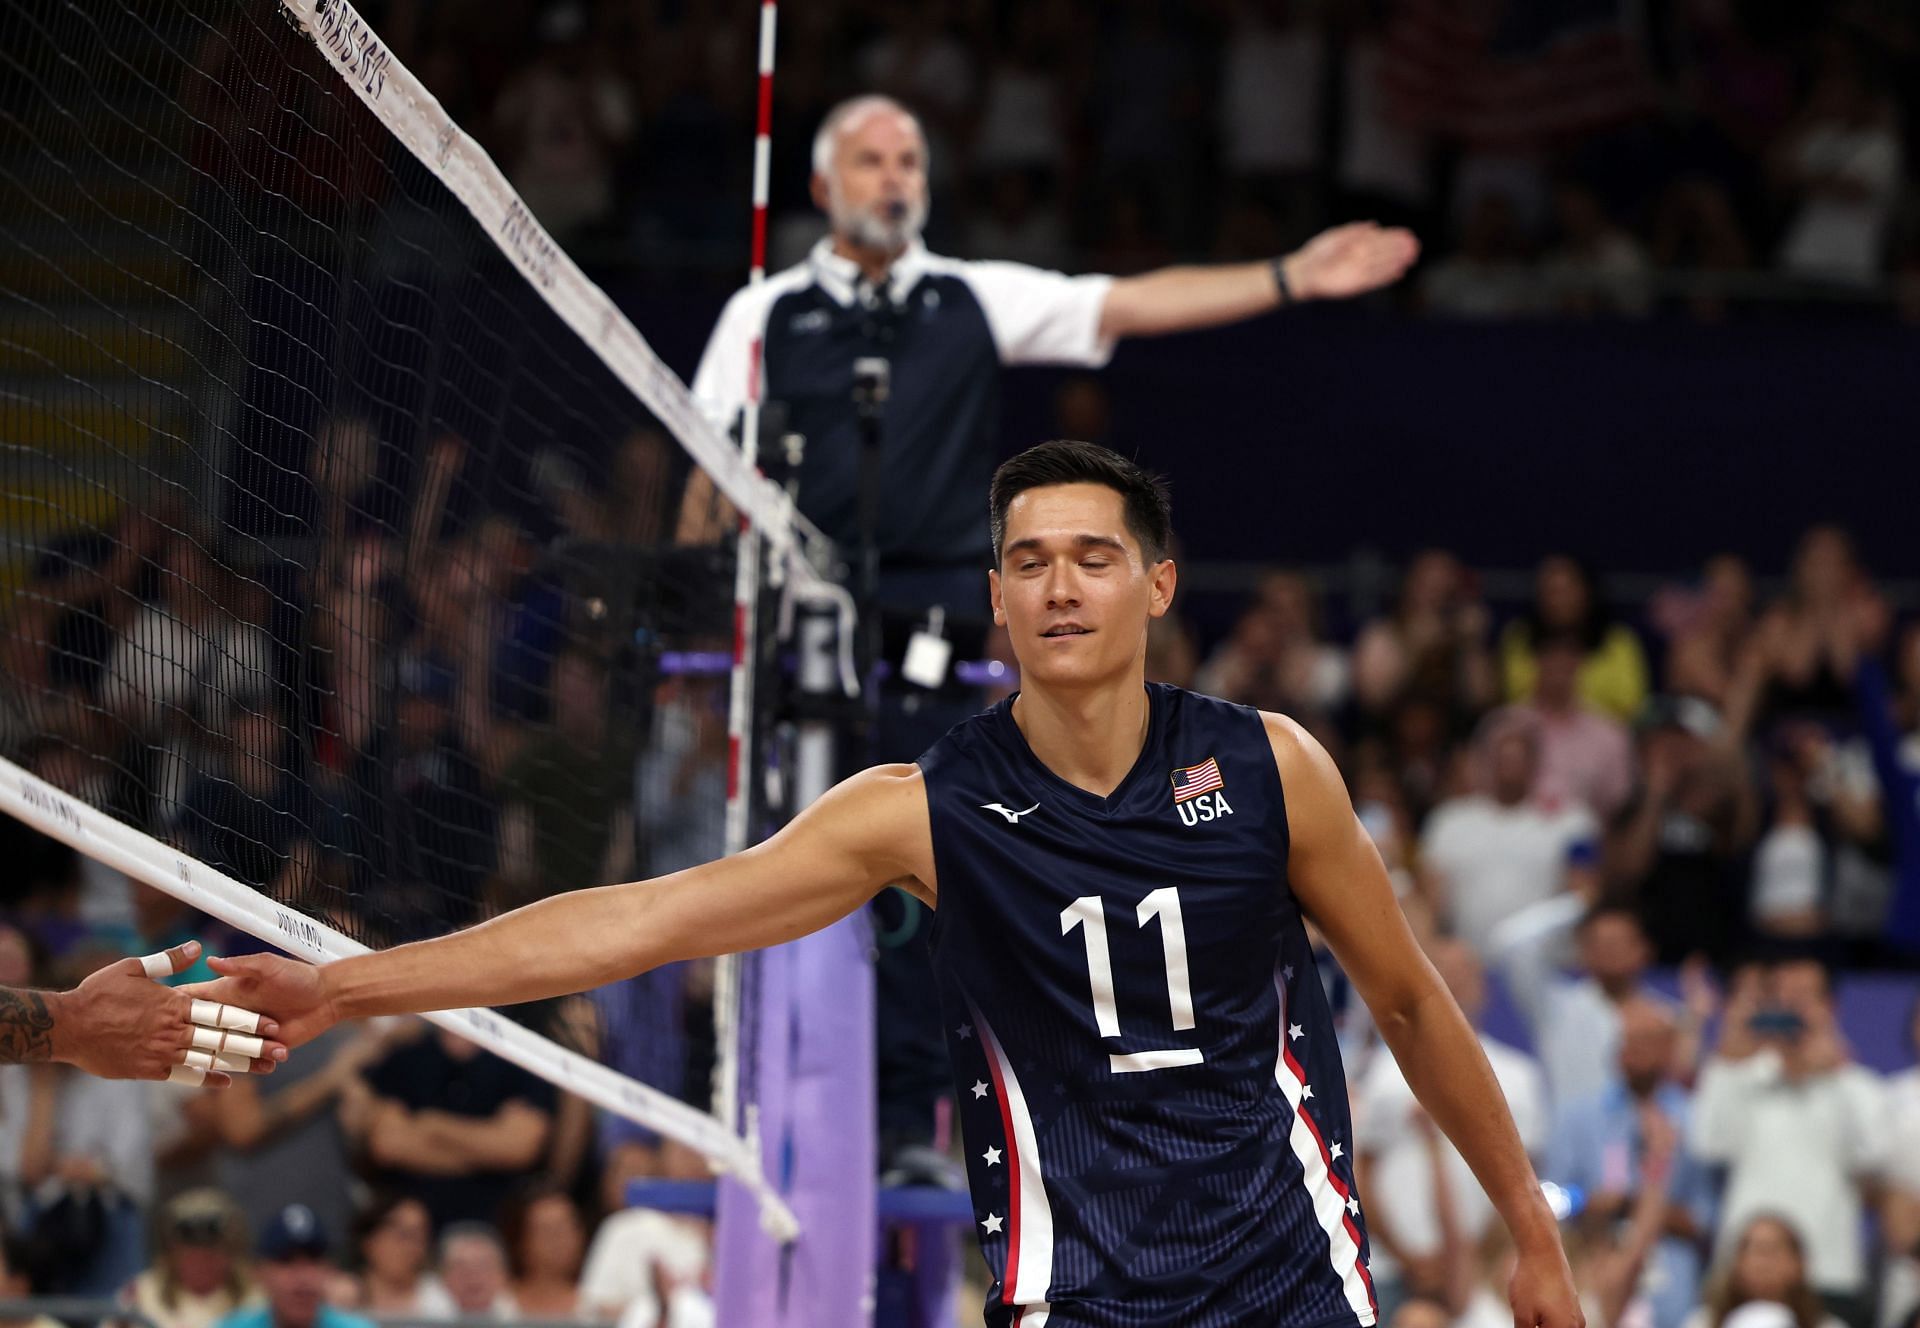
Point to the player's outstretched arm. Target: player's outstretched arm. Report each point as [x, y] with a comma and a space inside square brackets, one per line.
[1338, 877]
[866, 832]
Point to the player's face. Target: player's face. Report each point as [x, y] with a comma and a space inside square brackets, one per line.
[1074, 590]
[876, 193]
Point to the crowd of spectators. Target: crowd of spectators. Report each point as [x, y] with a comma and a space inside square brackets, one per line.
[1718, 139]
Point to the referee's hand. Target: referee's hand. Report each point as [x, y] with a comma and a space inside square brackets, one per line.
[1350, 260]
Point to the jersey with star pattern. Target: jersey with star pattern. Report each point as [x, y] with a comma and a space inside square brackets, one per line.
[1149, 1083]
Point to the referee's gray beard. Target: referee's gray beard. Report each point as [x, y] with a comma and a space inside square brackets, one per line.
[872, 229]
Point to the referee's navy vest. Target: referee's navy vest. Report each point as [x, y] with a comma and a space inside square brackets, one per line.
[938, 444]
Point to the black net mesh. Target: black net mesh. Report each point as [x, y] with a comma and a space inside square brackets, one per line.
[331, 555]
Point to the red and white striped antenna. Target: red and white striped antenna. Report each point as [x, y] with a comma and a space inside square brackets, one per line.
[746, 591]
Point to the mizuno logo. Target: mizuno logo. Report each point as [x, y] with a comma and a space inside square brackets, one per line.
[1013, 817]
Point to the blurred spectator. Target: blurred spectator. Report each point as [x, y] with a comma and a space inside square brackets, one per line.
[1567, 600]
[1024, 106]
[283, 1142]
[1487, 855]
[392, 1247]
[1799, 1127]
[1800, 663]
[1900, 1206]
[1275, 659]
[1791, 863]
[563, 120]
[1385, 166]
[245, 805]
[87, 1159]
[650, 1269]
[473, 1274]
[1586, 757]
[546, 1240]
[1597, 267]
[1679, 848]
[201, 1274]
[17, 1281]
[455, 1125]
[1433, 647]
[1402, 1161]
[1706, 629]
[567, 819]
[1841, 164]
[1488, 275]
[1269, 108]
[294, 1271]
[1765, 1263]
[1020, 221]
[1603, 1143]
[1575, 1017]
[1697, 229]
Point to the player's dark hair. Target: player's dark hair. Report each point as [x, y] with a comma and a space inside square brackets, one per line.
[1149, 506]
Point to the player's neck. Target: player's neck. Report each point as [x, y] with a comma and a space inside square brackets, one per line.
[874, 263]
[1090, 738]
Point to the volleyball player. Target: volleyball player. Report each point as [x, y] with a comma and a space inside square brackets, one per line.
[1151, 1093]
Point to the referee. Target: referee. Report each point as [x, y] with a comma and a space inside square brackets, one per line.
[946, 327]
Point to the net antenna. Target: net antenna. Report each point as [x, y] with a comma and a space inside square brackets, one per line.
[730, 970]
[211, 646]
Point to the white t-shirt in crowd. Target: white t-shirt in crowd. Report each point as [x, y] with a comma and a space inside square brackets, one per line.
[1269, 107]
[1843, 239]
[632, 1253]
[1798, 1147]
[1496, 860]
[1386, 1132]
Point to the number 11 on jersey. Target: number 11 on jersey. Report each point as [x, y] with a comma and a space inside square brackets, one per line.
[1089, 914]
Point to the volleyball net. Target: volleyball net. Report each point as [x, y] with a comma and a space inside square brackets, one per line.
[341, 591]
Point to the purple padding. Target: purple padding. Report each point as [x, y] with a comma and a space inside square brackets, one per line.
[817, 1142]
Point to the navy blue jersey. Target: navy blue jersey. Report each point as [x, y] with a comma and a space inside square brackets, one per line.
[1149, 1084]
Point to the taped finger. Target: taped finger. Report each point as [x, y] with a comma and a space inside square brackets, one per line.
[247, 1048]
[232, 1063]
[186, 1074]
[225, 1016]
[198, 1060]
[157, 965]
[208, 1039]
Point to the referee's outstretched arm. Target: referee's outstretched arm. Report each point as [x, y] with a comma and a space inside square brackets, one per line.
[1336, 264]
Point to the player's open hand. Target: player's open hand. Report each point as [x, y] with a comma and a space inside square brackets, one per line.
[119, 1024]
[1350, 260]
[284, 989]
[1542, 1292]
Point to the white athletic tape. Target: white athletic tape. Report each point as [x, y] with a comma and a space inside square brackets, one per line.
[157, 965]
[186, 1074]
[233, 1064]
[197, 1060]
[246, 1048]
[208, 1039]
[225, 1016]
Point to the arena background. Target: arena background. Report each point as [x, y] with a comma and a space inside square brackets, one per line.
[1666, 311]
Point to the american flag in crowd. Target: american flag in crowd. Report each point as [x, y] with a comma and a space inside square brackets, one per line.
[1515, 73]
[1196, 779]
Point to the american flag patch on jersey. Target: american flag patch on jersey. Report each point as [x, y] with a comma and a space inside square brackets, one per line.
[1196, 779]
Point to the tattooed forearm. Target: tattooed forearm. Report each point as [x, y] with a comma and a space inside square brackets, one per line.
[26, 1027]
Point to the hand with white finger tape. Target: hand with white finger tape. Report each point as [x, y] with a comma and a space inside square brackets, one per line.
[120, 1023]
